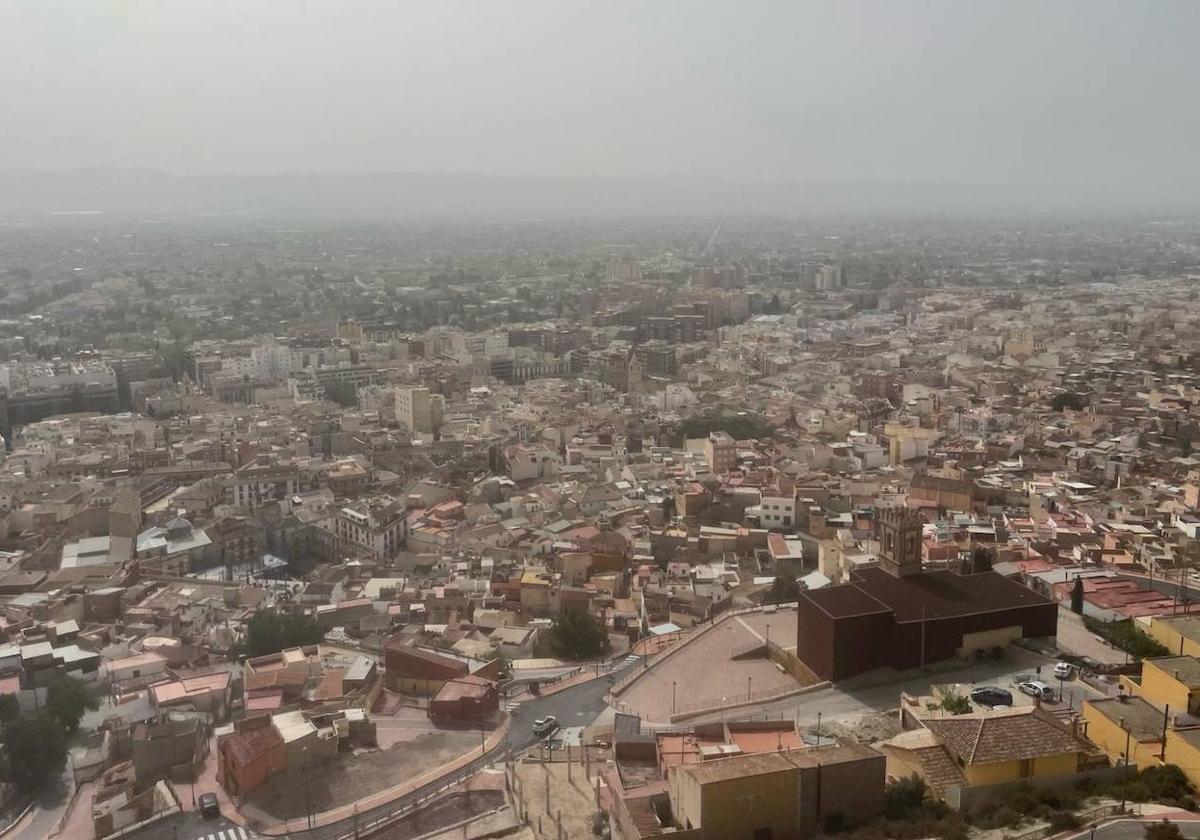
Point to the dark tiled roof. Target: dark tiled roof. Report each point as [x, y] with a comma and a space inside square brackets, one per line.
[944, 594]
[1004, 736]
[245, 747]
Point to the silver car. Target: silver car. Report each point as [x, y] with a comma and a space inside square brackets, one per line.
[1036, 688]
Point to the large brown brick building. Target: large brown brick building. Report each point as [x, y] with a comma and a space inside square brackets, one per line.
[901, 616]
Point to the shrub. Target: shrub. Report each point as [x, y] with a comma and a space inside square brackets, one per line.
[903, 798]
[1063, 821]
[956, 704]
[1165, 830]
[1126, 636]
[1004, 817]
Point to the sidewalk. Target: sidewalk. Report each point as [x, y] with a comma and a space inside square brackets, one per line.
[562, 685]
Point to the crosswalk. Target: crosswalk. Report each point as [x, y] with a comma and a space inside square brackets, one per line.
[633, 657]
[235, 833]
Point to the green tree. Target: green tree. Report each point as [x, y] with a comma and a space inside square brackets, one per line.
[1165, 830]
[982, 558]
[575, 634]
[1068, 399]
[784, 589]
[9, 708]
[67, 699]
[270, 632]
[35, 750]
[342, 392]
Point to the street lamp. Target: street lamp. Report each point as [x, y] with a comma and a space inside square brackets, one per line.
[672, 697]
[307, 798]
[749, 683]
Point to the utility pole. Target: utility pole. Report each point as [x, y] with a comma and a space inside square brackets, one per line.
[1125, 768]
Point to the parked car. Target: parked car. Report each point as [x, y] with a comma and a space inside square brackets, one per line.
[544, 726]
[1037, 688]
[990, 696]
[209, 806]
[1064, 670]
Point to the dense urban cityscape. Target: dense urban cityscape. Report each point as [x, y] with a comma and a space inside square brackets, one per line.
[551, 420]
[549, 530]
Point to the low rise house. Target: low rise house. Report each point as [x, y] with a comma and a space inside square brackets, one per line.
[465, 698]
[988, 748]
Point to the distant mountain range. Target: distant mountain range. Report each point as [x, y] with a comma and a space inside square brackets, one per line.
[387, 196]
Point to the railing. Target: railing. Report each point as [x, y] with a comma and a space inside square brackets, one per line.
[715, 703]
[512, 689]
[1085, 817]
[692, 634]
[360, 825]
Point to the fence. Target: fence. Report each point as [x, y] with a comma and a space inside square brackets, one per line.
[1085, 817]
[715, 703]
[516, 687]
[695, 633]
[364, 823]
[963, 798]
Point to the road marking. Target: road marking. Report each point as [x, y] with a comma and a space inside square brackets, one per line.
[753, 632]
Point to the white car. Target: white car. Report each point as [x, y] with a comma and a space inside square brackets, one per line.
[1064, 670]
[1036, 688]
[544, 726]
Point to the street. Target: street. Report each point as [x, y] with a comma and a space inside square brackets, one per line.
[48, 809]
[1130, 829]
[575, 706]
[192, 826]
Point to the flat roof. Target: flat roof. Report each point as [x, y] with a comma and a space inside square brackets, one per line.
[1187, 626]
[928, 595]
[1184, 668]
[1144, 720]
[741, 766]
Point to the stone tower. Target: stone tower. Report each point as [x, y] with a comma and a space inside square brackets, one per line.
[900, 541]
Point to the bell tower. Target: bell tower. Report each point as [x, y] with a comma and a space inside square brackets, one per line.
[900, 541]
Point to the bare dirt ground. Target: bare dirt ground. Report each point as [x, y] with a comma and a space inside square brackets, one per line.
[352, 776]
[866, 728]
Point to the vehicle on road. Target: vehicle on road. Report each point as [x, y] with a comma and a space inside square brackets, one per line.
[1064, 670]
[544, 726]
[990, 696]
[1036, 688]
[209, 806]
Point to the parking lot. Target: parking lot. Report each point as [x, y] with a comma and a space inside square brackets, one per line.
[880, 691]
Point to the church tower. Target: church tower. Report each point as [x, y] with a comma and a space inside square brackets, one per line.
[900, 541]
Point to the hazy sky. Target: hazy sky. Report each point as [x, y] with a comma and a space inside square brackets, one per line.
[942, 91]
